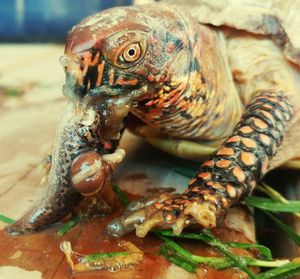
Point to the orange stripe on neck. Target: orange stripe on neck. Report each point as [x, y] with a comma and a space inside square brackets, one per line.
[122, 81]
[100, 73]
[111, 76]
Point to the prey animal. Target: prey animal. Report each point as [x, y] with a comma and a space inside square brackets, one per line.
[167, 74]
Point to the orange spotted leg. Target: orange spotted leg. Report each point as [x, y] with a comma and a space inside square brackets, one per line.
[228, 175]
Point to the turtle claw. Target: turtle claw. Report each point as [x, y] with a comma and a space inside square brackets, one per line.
[153, 222]
[135, 214]
[180, 224]
[204, 213]
[163, 212]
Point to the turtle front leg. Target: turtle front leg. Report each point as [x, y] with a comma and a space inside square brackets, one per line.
[229, 174]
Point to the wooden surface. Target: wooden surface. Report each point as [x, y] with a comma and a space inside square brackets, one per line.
[31, 101]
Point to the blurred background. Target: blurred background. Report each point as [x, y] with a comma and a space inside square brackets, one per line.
[32, 38]
[46, 20]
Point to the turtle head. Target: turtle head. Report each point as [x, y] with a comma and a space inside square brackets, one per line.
[122, 52]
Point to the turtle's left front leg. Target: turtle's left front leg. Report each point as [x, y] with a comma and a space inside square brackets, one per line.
[228, 175]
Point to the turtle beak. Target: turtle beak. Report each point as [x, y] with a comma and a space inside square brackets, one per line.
[73, 88]
[90, 77]
[87, 83]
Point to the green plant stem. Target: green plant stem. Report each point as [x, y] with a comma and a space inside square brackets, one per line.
[122, 196]
[264, 251]
[6, 219]
[217, 262]
[210, 239]
[177, 260]
[289, 231]
[98, 256]
[240, 263]
[271, 205]
[285, 271]
[68, 226]
[273, 194]
[201, 236]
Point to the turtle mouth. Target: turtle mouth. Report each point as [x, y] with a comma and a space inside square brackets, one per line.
[93, 78]
[92, 81]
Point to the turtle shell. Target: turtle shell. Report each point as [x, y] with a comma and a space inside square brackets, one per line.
[277, 19]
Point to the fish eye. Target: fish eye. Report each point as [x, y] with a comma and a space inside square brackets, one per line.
[131, 53]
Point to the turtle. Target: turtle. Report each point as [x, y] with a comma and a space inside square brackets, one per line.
[206, 76]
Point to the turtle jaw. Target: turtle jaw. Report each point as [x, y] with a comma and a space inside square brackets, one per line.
[91, 79]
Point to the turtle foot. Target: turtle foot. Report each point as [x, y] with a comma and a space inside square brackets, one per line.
[164, 211]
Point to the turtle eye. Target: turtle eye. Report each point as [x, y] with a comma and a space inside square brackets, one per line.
[131, 53]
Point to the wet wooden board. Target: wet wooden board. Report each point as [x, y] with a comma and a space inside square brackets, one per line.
[27, 131]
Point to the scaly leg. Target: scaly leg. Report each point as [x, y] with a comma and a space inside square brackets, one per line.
[229, 174]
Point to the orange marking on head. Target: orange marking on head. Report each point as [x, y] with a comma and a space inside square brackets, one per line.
[95, 60]
[205, 175]
[122, 81]
[225, 151]
[86, 66]
[223, 163]
[259, 123]
[100, 73]
[231, 190]
[246, 130]
[111, 76]
[248, 158]
[209, 163]
[250, 143]
[239, 174]
[86, 62]
[265, 139]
